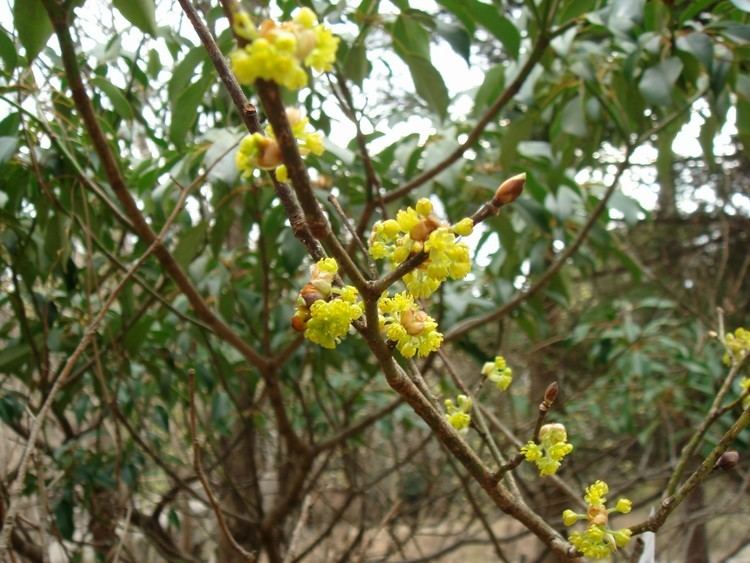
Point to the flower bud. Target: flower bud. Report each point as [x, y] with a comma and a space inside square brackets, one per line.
[311, 293]
[623, 505]
[422, 230]
[569, 517]
[728, 460]
[270, 155]
[553, 433]
[299, 323]
[550, 394]
[598, 515]
[509, 190]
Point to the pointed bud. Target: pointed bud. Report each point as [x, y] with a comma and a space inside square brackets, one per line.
[509, 190]
[550, 394]
[311, 293]
[298, 323]
[728, 460]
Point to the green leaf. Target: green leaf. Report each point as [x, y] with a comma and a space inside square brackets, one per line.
[656, 83]
[410, 38]
[456, 37]
[185, 111]
[699, 45]
[494, 81]
[573, 119]
[694, 8]
[33, 25]
[490, 18]
[140, 13]
[461, 11]
[190, 244]
[183, 72]
[429, 84]
[8, 146]
[116, 97]
[7, 52]
[356, 65]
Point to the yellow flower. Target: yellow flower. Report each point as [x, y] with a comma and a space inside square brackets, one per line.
[737, 345]
[277, 51]
[330, 320]
[464, 227]
[596, 493]
[458, 416]
[498, 373]
[413, 330]
[549, 453]
[598, 541]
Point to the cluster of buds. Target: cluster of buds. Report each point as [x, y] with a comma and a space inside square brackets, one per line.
[278, 51]
[403, 322]
[258, 150]
[458, 415]
[552, 448]
[598, 541]
[737, 346]
[325, 312]
[416, 230]
[498, 372]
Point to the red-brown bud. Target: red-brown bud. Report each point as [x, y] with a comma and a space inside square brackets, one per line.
[270, 155]
[298, 323]
[509, 190]
[550, 394]
[728, 460]
[310, 294]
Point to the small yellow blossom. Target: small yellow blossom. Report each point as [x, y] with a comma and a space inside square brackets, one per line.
[403, 322]
[416, 229]
[258, 150]
[737, 346]
[549, 453]
[458, 416]
[464, 227]
[598, 541]
[324, 312]
[498, 372]
[278, 52]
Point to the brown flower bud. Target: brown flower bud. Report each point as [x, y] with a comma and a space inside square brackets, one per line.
[298, 323]
[310, 294]
[413, 321]
[728, 460]
[598, 515]
[509, 190]
[550, 394]
[270, 155]
[422, 230]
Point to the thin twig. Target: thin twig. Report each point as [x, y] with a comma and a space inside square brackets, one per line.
[246, 555]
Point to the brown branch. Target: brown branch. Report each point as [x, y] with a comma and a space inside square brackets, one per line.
[246, 555]
[656, 521]
[59, 17]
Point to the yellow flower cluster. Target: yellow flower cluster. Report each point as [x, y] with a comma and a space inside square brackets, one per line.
[737, 345]
[498, 372]
[598, 541]
[549, 453]
[404, 323]
[415, 230]
[278, 52]
[458, 416]
[262, 151]
[325, 312]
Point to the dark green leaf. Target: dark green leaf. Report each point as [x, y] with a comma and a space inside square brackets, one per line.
[185, 111]
[116, 97]
[33, 25]
[494, 81]
[656, 83]
[8, 146]
[429, 84]
[410, 38]
[489, 17]
[7, 52]
[457, 37]
[140, 13]
[190, 243]
[356, 65]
